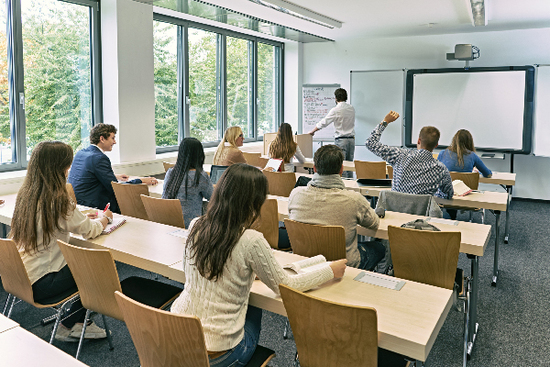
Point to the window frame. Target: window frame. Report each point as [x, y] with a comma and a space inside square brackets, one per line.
[221, 79]
[16, 76]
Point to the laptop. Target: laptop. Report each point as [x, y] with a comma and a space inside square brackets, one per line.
[374, 182]
[216, 172]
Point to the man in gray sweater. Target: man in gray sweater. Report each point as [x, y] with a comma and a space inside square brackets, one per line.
[326, 201]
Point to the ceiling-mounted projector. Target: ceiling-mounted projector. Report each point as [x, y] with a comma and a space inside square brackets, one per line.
[464, 52]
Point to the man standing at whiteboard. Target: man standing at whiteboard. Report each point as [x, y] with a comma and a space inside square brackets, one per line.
[343, 117]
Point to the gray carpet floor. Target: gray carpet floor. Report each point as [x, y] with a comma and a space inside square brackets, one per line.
[514, 317]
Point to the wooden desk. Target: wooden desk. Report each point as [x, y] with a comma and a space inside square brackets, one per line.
[6, 324]
[408, 320]
[474, 240]
[18, 347]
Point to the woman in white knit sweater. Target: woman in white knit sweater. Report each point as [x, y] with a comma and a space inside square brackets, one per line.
[221, 258]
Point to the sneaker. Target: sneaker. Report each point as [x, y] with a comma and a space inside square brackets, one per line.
[64, 334]
[92, 331]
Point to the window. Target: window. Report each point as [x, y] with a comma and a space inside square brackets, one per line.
[49, 42]
[224, 79]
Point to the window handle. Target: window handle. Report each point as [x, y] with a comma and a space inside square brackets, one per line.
[22, 100]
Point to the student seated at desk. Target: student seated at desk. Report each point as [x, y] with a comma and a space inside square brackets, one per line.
[415, 171]
[187, 181]
[460, 156]
[326, 201]
[284, 147]
[221, 258]
[91, 174]
[44, 213]
[228, 151]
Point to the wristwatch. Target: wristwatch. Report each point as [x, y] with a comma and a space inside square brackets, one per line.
[109, 220]
[385, 123]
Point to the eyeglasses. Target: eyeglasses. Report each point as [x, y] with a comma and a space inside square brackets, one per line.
[241, 136]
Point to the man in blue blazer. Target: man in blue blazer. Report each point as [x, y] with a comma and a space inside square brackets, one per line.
[91, 173]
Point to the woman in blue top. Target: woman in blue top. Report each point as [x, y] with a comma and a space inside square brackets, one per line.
[461, 156]
[187, 181]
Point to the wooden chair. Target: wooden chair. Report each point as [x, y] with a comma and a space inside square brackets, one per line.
[346, 336]
[425, 256]
[268, 223]
[70, 190]
[262, 162]
[252, 158]
[129, 200]
[311, 240]
[97, 279]
[471, 179]
[268, 138]
[165, 339]
[16, 283]
[371, 170]
[280, 183]
[390, 172]
[165, 211]
[167, 165]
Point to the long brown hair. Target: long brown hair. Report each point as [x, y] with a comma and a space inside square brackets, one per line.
[43, 198]
[235, 204]
[283, 146]
[462, 144]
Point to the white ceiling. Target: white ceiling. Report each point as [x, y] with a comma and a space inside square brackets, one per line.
[364, 18]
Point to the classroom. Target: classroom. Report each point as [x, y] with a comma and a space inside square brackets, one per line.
[373, 37]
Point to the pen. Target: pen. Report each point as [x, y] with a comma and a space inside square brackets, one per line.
[106, 207]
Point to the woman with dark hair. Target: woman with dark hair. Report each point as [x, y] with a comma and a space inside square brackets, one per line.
[187, 181]
[44, 213]
[223, 255]
[460, 156]
[284, 147]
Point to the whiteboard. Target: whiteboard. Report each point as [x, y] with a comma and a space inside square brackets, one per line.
[542, 112]
[373, 94]
[494, 104]
[317, 100]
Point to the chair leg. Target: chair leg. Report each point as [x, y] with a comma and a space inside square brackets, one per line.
[82, 333]
[60, 313]
[466, 323]
[109, 339]
[6, 304]
[296, 360]
[13, 299]
[285, 332]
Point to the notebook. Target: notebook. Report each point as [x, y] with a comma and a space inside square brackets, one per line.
[113, 226]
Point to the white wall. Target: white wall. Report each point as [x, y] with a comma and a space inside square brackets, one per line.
[332, 62]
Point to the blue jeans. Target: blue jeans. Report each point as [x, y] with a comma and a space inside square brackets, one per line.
[241, 354]
[348, 147]
[371, 254]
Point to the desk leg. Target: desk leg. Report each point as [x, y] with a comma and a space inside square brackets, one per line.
[473, 326]
[507, 228]
[497, 242]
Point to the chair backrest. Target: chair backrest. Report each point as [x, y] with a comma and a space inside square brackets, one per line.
[216, 172]
[390, 172]
[268, 138]
[96, 277]
[70, 190]
[471, 179]
[161, 338]
[268, 223]
[425, 256]
[280, 183]
[129, 200]
[12, 270]
[262, 162]
[346, 336]
[168, 165]
[372, 170]
[311, 240]
[252, 158]
[165, 211]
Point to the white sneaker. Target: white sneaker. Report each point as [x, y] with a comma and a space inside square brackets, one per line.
[92, 331]
[64, 334]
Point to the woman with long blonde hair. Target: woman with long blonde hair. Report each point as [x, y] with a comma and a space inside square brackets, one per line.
[44, 212]
[228, 151]
[284, 147]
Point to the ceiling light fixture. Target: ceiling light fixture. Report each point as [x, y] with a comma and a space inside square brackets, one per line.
[287, 7]
[478, 12]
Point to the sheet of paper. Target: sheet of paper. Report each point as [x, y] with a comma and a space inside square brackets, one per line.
[381, 281]
[182, 233]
